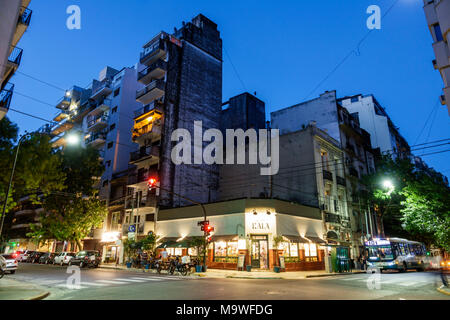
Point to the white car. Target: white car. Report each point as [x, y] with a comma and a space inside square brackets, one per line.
[10, 263]
[63, 258]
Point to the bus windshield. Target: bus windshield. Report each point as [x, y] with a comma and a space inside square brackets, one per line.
[378, 253]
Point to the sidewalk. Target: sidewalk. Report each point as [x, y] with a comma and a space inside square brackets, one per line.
[444, 290]
[16, 290]
[219, 273]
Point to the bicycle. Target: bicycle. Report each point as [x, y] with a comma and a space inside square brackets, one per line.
[2, 273]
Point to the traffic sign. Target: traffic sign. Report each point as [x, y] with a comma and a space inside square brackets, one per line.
[132, 228]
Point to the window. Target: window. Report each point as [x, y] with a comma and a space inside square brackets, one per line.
[438, 32]
[116, 92]
[324, 156]
[105, 183]
[355, 99]
[192, 252]
[108, 163]
[112, 127]
[225, 251]
[110, 145]
[114, 110]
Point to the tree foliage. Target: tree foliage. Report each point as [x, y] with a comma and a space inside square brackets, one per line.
[418, 207]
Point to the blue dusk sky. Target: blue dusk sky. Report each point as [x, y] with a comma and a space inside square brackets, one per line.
[280, 49]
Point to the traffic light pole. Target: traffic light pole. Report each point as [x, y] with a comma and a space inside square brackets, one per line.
[204, 217]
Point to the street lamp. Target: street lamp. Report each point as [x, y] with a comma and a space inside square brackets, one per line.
[387, 184]
[73, 139]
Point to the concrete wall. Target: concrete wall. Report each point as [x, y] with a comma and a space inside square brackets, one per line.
[9, 14]
[323, 110]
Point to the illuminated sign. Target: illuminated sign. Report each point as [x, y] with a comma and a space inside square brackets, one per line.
[110, 236]
[377, 242]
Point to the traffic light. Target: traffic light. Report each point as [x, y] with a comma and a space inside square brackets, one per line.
[208, 229]
[152, 183]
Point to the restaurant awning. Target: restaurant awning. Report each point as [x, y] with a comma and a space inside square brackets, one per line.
[232, 237]
[298, 239]
[316, 239]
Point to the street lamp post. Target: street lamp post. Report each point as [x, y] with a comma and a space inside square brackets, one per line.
[204, 216]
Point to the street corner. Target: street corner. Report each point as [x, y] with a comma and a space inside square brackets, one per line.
[444, 290]
[11, 289]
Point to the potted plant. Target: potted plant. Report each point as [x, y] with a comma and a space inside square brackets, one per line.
[199, 243]
[276, 243]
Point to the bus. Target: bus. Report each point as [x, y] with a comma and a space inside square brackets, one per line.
[395, 254]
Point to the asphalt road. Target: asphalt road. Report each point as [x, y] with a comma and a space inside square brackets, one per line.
[98, 284]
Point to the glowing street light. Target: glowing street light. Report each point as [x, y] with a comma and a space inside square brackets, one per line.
[387, 184]
[73, 139]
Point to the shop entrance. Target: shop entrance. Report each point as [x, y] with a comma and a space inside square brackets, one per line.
[259, 252]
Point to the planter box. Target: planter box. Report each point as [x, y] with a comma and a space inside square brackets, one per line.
[249, 268]
[276, 269]
[128, 265]
[198, 268]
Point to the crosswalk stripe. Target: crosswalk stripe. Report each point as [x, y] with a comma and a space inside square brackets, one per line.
[407, 284]
[111, 281]
[352, 279]
[148, 279]
[66, 286]
[94, 284]
[130, 280]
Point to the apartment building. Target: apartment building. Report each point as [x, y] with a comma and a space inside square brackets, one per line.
[328, 114]
[101, 116]
[374, 119]
[181, 74]
[15, 17]
[437, 13]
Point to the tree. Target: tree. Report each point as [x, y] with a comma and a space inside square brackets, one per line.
[72, 214]
[276, 243]
[200, 244]
[149, 243]
[69, 220]
[426, 208]
[387, 202]
[8, 136]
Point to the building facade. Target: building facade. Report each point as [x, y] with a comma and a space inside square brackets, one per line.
[437, 13]
[181, 78]
[15, 17]
[330, 116]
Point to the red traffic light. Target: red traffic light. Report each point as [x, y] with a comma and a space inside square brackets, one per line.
[152, 182]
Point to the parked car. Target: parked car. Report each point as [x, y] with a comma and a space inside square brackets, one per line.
[63, 258]
[24, 257]
[34, 258]
[11, 263]
[47, 258]
[86, 258]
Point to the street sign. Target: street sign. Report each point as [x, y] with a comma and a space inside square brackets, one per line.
[201, 223]
[132, 228]
[131, 235]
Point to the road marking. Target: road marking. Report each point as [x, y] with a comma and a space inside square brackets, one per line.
[67, 287]
[94, 284]
[352, 279]
[148, 279]
[130, 280]
[408, 284]
[111, 281]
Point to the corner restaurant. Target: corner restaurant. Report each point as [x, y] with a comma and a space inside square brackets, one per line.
[246, 228]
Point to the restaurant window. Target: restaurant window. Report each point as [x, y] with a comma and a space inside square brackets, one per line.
[290, 251]
[174, 251]
[193, 252]
[310, 252]
[226, 251]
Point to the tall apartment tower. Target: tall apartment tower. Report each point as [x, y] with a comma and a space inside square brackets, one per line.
[181, 74]
[15, 18]
[437, 13]
[102, 116]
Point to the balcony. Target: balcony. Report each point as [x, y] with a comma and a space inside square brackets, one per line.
[340, 181]
[5, 99]
[100, 107]
[97, 123]
[147, 127]
[64, 103]
[96, 139]
[61, 127]
[332, 218]
[154, 90]
[58, 141]
[153, 52]
[24, 212]
[327, 175]
[156, 70]
[145, 154]
[23, 23]
[61, 115]
[83, 109]
[156, 106]
[14, 59]
[102, 90]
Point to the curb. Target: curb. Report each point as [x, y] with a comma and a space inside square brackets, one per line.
[263, 278]
[40, 296]
[443, 291]
[332, 274]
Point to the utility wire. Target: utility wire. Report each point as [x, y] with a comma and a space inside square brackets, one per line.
[234, 68]
[356, 51]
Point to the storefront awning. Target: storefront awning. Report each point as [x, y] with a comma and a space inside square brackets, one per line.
[316, 239]
[298, 239]
[232, 237]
